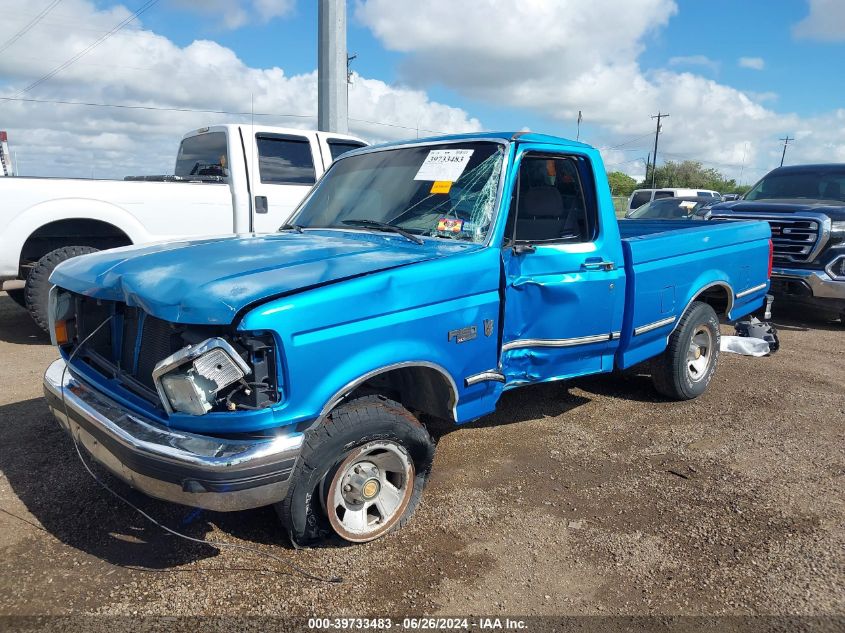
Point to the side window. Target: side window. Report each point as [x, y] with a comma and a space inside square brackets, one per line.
[663, 194]
[203, 155]
[339, 146]
[285, 160]
[640, 198]
[552, 203]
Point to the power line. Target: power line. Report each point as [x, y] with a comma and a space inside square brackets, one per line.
[28, 26]
[148, 5]
[707, 163]
[126, 106]
[628, 142]
[785, 140]
[404, 127]
[625, 162]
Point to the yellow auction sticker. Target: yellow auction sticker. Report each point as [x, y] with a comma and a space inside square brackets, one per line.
[441, 186]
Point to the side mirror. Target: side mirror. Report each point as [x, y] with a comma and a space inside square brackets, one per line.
[523, 249]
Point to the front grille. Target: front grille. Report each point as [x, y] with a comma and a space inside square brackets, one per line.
[157, 343]
[132, 344]
[795, 239]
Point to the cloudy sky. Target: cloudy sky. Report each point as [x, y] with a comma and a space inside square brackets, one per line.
[734, 76]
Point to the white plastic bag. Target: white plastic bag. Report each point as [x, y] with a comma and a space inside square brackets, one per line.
[744, 345]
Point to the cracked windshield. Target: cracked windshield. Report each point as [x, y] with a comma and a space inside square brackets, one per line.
[442, 191]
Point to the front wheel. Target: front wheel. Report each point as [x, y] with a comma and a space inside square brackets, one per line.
[361, 473]
[687, 365]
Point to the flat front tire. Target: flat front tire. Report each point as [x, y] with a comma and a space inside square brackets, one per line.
[361, 474]
[686, 367]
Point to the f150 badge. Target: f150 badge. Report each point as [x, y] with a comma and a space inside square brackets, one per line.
[464, 334]
[470, 332]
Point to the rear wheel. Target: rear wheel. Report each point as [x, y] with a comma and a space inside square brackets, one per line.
[684, 370]
[361, 473]
[37, 288]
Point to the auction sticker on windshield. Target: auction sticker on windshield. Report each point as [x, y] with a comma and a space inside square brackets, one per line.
[444, 164]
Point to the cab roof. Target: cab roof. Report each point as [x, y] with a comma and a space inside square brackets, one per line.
[528, 137]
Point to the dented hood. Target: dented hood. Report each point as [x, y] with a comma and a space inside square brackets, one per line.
[211, 280]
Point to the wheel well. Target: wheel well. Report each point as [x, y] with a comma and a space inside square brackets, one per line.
[71, 232]
[419, 388]
[718, 296]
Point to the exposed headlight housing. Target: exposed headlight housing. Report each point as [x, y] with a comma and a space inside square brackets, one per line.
[189, 380]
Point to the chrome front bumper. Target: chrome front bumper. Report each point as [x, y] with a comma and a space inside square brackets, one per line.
[194, 470]
[820, 284]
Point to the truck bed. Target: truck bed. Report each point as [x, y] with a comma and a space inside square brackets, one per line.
[668, 261]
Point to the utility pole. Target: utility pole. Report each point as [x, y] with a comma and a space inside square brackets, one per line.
[578, 132]
[785, 143]
[332, 67]
[742, 169]
[657, 116]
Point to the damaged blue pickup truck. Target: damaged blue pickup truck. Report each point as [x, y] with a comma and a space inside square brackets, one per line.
[417, 281]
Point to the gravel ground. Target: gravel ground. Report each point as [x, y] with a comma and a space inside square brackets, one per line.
[586, 498]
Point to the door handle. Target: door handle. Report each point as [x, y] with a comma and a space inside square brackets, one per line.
[261, 204]
[598, 264]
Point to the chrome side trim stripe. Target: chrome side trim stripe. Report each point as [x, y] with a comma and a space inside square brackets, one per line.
[653, 326]
[484, 376]
[615, 335]
[745, 293]
[555, 342]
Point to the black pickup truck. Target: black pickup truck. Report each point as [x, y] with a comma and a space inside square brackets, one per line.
[805, 206]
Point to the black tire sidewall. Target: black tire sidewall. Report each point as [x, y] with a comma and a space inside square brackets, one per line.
[700, 314]
[18, 295]
[327, 445]
[37, 289]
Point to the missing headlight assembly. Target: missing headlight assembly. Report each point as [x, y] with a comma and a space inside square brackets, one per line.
[184, 368]
[214, 375]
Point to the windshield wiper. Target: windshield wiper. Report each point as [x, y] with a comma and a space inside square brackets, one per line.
[291, 227]
[384, 226]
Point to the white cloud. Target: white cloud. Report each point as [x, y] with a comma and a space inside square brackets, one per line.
[556, 58]
[754, 63]
[269, 9]
[233, 14]
[137, 66]
[825, 22]
[694, 60]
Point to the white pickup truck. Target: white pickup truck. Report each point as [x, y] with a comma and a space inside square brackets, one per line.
[227, 179]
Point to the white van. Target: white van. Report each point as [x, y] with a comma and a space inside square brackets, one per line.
[640, 196]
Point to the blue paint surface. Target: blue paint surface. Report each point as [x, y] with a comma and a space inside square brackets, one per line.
[346, 304]
[209, 281]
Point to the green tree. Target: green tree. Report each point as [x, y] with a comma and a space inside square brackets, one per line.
[693, 175]
[621, 184]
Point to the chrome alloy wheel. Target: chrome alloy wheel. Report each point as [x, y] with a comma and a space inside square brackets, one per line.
[369, 491]
[700, 354]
